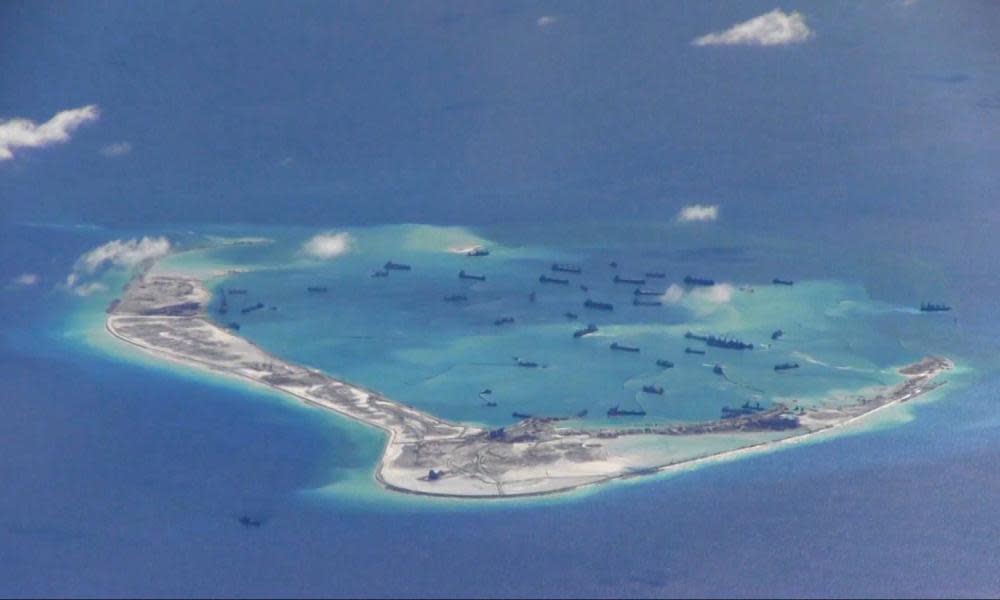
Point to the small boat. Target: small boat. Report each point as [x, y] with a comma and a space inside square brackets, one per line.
[562, 268]
[503, 321]
[655, 275]
[456, 298]
[616, 411]
[777, 281]
[520, 415]
[582, 413]
[250, 309]
[318, 289]
[638, 302]
[391, 266]
[236, 292]
[491, 404]
[382, 273]
[698, 281]
[233, 325]
[618, 279]
[642, 292]
[777, 334]
[598, 305]
[528, 364]
[690, 350]
[478, 251]
[786, 366]
[666, 364]
[247, 521]
[653, 389]
[717, 369]
[571, 316]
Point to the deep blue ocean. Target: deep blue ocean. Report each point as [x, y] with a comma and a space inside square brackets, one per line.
[864, 160]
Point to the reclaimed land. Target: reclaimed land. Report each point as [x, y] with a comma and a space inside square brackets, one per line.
[166, 315]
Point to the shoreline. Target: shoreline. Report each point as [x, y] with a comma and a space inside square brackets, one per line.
[164, 316]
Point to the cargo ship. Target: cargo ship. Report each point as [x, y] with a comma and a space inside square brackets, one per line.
[480, 251]
[777, 281]
[931, 307]
[560, 268]
[598, 305]
[728, 343]
[456, 298]
[391, 266]
[653, 389]
[642, 292]
[623, 348]
[745, 409]
[693, 336]
[698, 281]
[463, 275]
[504, 321]
[250, 309]
[615, 411]
[547, 279]
[666, 364]
[690, 350]
[317, 289]
[589, 329]
[629, 281]
[786, 366]
[655, 275]
[638, 302]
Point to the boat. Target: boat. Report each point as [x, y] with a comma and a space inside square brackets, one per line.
[391, 266]
[623, 348]
[582, 413]
[463, 275]
[666, 364]
[382, 273]
[547, 279]
[317, 288]
[236, 292]
[618, 279]
[562, 268]
[479, 251]
[690, 350]
[931, 307]
[638, 302]
[653, 389]
[616, 411]
[777, 281]
[642, 292]
[456, 298]
[571, 316]
[786, 366]
[693, 336]
[250, 522]
[503, 321]
[223, 304]
[525, 363]
[233, 325]
[250, 309]
[531, 297]
[613, 264]
[589, 329]
[520, 415]
[486, 392]
[433, 475]
[655, 275]
[745, 409]
[777, 334]
[698, 281]
[491, 404]
[717, 369]
[598, 305]
[728, 343]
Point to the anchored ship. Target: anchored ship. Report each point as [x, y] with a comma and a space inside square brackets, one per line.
[656, 275]
[745, 409]
[698, 281]
[598, 305]
[786, 366]
[931, 307]
[777, 281]
[571, 316]
[618, 279]
[717, 369]
[616, 411]
[391, 266]
[666, 364]
[653, 389]
[589, 329]
[456, 298]
[693, 336]
[382, 273]
[642, 292]
[547, 279]
[503, 321]
[561, 268]
[638, 302]
[250, 309]
[237, 292]
[463, 275]
[528, 364]
[690, 350]
[480, 251]
[623, 348]
[777, 334]
[317, 288]
[233, 325]
[728, 343]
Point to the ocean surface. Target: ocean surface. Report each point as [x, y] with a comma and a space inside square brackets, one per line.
[128, 475]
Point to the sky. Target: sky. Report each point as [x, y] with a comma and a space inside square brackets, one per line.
[477, 113]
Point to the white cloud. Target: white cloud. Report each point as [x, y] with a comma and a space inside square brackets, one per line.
[545, 21]
[116, 253]
[87, 289]
[698, 212]
[720, 293]
[673, 295]
[24, 133]
[328, 245]
[25, 280]
[116, 149]
[775, 28]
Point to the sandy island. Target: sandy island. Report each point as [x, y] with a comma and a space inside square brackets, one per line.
[165, 315]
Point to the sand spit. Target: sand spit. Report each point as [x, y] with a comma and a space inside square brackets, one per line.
[165, 315]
